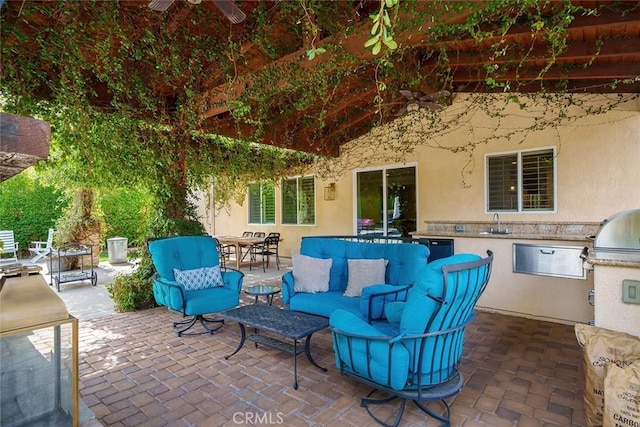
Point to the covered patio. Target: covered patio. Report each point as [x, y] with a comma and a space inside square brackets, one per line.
[134, 371]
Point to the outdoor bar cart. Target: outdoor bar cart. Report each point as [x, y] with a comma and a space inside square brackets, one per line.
[67, 252]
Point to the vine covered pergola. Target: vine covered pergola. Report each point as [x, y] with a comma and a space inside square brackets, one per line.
[182, 97]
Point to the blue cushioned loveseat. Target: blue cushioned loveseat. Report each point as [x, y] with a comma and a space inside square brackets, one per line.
[405, 260]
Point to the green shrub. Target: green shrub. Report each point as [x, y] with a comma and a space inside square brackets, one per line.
[131, 292]
[29, 208]
[127, 213]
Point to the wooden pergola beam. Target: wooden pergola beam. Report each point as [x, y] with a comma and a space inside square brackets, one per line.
[23, 142]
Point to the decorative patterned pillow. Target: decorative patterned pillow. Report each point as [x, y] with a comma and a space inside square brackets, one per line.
[363, 273]
[310, 274]
[199, 278]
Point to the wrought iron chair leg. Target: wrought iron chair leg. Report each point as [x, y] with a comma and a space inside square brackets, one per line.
[445, 419]
[189, 323]
[365, 401]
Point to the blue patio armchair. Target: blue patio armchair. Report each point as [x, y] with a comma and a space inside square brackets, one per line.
[415, 354]
[189, 280]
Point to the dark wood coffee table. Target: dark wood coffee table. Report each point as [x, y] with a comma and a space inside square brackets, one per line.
[289, 324]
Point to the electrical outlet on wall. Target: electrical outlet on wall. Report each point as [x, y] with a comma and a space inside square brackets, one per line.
[631, 291]
[460, 227]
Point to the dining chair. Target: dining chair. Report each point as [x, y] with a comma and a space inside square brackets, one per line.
[225, 252]
[266, 249]
[249, 247]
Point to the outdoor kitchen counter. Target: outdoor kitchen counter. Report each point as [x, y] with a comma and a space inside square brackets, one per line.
[542, 294]
[612, 262]
[512, 236]
[555, 231]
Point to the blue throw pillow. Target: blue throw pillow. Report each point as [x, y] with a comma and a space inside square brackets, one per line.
[377, 304]
[393, 311]
[199, 278]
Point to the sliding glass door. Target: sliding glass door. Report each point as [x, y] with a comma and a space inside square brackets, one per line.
[386, 201]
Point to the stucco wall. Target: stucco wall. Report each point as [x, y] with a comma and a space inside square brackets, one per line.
[598, 174]
[597, 161]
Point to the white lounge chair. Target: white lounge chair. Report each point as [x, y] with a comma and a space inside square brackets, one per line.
[41, 249]
[9, 248]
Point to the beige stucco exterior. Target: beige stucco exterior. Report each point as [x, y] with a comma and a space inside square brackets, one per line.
[598, 174]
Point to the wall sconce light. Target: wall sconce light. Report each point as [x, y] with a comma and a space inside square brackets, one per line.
[330, 191]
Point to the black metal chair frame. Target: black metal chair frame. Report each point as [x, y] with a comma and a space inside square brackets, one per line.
[249, 248]
[267, 248]
[451, 338]
[224, 252]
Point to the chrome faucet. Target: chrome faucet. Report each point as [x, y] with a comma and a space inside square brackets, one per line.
[496, 220]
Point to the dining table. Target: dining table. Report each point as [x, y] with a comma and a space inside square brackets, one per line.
[240, 242]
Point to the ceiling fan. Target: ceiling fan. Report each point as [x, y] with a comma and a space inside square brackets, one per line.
[227, 7]
[415, 100]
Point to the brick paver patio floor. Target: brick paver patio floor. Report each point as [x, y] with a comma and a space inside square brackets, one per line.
[134, 371]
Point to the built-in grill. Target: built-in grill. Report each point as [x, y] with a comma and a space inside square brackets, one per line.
[618, 237]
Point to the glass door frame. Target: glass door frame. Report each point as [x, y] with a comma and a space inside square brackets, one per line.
[385, 205]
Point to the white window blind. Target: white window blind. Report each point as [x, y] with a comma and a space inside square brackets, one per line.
[521, 181]
[537, 181]
[262, 203]
[298, 201]
[289, 201]
[503, 183]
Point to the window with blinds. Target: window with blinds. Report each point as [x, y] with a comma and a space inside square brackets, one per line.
[298, 201]
[523, 181]
[262, 203]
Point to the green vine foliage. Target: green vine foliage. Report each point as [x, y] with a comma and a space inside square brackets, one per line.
[139, 138]
[284, 90]
[150, 134]
[126, 212]
[475, 120]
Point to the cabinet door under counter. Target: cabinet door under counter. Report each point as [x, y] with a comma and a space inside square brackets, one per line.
[549, 260]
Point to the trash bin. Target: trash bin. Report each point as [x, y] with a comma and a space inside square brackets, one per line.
[117, 249]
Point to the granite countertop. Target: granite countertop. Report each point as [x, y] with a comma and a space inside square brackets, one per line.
[564, 231]
[606, 259]
[612, 262]
[512, 236]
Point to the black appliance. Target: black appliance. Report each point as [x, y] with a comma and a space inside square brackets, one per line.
[438, 248]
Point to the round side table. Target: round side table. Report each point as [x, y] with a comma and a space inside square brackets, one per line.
[266, 290]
